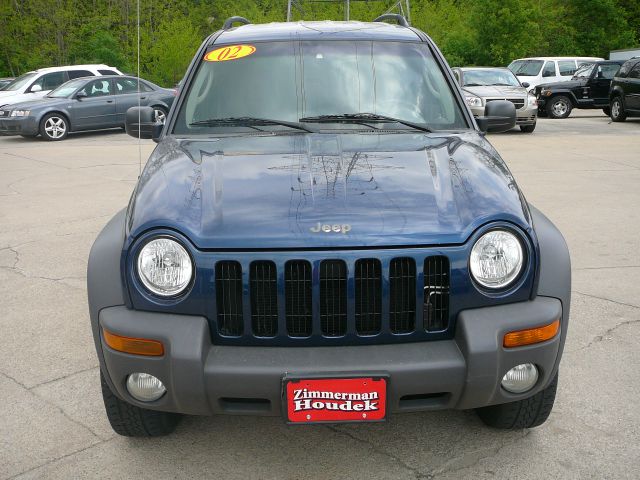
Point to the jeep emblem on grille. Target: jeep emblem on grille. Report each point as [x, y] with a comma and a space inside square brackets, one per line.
[327, 228]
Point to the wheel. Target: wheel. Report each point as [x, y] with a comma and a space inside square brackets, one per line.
[527, 128]
[559, 107]
[607, 111]
[54, 127]
[528, 413]
[131, 421]
[617, 110]
[159, 114]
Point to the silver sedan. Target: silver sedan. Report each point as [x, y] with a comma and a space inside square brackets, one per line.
[90, 103]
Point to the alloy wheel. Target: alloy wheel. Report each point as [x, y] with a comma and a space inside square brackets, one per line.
[159, 115]
[55, 127]
[560, 108]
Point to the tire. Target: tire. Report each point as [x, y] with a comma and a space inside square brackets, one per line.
[559, 107]
[160, 114]
[131, 421]
[527, 128]
[528, 413]
[617, 110]
[607, 111]
[54, 127]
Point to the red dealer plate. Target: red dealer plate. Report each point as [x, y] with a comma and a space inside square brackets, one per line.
[361, 399]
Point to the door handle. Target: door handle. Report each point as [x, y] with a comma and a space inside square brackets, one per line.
[143, 98]
[109, 101]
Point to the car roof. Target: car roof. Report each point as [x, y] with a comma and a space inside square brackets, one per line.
[483, 68]
[324, 30]
[560, 58]
[72, 67]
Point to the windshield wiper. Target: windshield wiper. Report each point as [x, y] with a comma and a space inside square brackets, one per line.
[474, 85]
[363, 117]
[248, 122]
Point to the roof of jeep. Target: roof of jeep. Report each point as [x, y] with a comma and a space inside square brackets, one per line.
[326, 30]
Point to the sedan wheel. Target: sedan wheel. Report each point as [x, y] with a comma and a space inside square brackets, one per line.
[159, 115]
[54, 127]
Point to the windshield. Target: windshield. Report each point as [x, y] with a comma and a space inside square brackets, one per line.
[584, 70]
[21, 82]
[288, 81]
[526, 68]
[482, 77]
[67, 89]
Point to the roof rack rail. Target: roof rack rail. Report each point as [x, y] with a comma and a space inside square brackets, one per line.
[228, 23]
[393, 16]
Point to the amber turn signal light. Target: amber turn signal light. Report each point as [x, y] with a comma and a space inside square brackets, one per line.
[531, 335]
[136, 346]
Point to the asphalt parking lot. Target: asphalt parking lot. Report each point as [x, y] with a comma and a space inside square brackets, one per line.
[583, 172]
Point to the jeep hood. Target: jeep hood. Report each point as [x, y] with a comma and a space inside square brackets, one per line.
[273, 192]
[566, 85]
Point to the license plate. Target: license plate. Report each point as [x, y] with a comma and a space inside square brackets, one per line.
[332, 400]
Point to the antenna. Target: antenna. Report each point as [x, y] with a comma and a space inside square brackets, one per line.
[138, 77]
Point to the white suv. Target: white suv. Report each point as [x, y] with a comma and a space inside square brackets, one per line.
[537, 70]
[38, 83]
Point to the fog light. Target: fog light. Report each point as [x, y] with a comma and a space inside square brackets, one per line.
[520, 378]
[145, 387]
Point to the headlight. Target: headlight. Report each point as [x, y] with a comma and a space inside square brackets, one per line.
[473, 101]
[532, 101]
[164, 267]
[545, 93]
[20, 113]
[496, 259]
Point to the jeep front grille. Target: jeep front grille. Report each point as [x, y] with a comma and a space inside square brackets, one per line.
[402, 293]
[333, 298]
[368, 277]
[436, 293]
[324, 301]
[264, 299]
[297, 294]
[229, 298]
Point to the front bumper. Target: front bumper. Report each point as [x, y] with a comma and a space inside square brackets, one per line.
[204, 379]
[524, 116]
[18, 126]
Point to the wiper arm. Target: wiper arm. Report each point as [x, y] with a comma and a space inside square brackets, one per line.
[363, 117]
[248, 122]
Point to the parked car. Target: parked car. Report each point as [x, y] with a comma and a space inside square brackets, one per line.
[587, 89]
[84, 104]
[5, 81]
[484, 85]
[537, 70]
[37, 84]
[624, 94]
[333, 243]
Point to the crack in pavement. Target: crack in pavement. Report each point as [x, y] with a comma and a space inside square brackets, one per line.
[476, 455]
[47, 382]
[606, 299]
[416, 472]
[14, 268]
[601, 337]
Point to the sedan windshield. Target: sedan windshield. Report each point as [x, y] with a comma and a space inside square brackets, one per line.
[482, 77]
[21, 81]
[526, 68]
[290, 81]
[66, 89]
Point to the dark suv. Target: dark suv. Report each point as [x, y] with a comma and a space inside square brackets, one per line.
[624, 94]
[588, 88]
[324, 233]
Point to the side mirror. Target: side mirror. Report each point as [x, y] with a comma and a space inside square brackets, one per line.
[81, 95]
[36, 88]
[499, 116]
[526, 84]
[141, 121]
